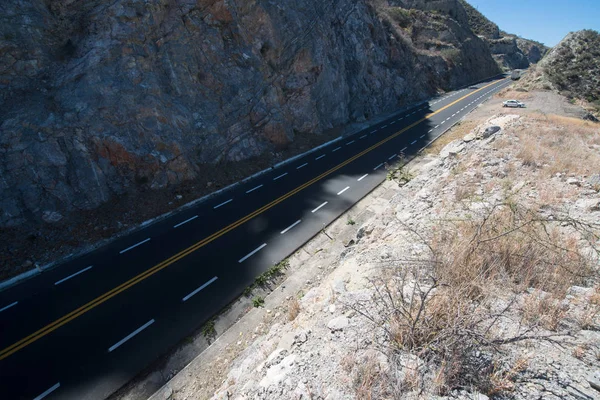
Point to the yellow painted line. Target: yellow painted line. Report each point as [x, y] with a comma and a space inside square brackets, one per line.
[162, 265]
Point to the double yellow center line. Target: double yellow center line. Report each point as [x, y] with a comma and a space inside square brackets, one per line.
[162, 265]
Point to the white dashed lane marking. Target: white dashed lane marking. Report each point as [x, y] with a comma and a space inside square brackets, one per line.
[291, 226]
[363, 177]
[9, 306]
[336, 149]
[141, 243]
[318, 208]
[47, 392]
[280, 176]
[199, 289]
[71, 276]
[302, 166]
[343, 190]
[253, 252]
[254, 188]
[321, 156]
[132, 334]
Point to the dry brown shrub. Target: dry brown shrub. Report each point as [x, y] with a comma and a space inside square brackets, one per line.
[370, 381]
[502, 380]
[293, 309]
[579, 351]
[445, 309]
[511, 247]
[541, 310]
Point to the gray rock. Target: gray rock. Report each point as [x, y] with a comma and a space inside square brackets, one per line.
[489, 131]
[338, 286]
[338, 323]
[573, 181]
[51, 216]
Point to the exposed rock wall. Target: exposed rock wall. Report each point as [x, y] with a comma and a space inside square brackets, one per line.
[99, 97]
[572, 66]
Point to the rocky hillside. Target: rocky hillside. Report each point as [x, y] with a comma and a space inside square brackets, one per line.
[101, 98]
[510, 51]
[572, 66]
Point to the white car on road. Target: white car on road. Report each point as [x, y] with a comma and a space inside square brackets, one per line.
[513, 103]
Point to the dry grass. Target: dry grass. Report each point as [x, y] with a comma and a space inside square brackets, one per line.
[579, 351]
[293, 309]
[370, 381]
[558, 144]
[544, 311]
[510, 93]
[502, 380]
[457, 132]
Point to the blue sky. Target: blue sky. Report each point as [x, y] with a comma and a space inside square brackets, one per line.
[546, 21]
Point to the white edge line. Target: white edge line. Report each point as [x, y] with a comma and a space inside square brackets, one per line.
[186, 221]
[321, 156]
[47, 392]
[363, 177]
[222, 204]
[377, 167]
[280, 176]
[291, 226]
[71, 276]
[253, 252]
[9, 306]
[254, 188]
[303, 165]
[134, 246]
[343, 190]
[132, 334]
[199, 289]
[318, 208]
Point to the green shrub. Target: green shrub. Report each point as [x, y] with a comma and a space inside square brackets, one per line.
[258, 302]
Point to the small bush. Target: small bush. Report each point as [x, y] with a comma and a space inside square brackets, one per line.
[293, 309]
[208, 330]
[258, 302]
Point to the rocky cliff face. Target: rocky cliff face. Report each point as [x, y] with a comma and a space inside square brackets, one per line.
[509, 51]
[99, 98]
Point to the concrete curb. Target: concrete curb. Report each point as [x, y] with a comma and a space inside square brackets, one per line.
[352, 129]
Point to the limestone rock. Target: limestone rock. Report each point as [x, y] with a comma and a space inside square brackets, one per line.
[338, 323]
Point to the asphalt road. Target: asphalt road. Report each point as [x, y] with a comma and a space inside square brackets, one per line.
[83, 329]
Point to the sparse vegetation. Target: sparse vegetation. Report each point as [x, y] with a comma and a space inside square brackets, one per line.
[445, 308]
[258, 301]
[573, 65]
[399, 173]
[293, 309]
[208, 330]
[268, 276]
[350, 221]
